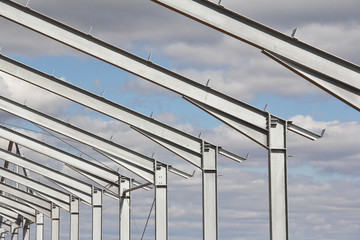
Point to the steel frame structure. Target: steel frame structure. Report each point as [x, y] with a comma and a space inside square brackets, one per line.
[154, 172]
[17, 221]
[38, 203]
[57, 197]
[87, 138]
[7, 226]
[10, 226]
[73, 185]
[42, 206]
[186, 146]
[84, 191]
[336, 76]
[28, 213]
[107, 178]
[265, 129]
[209, 193]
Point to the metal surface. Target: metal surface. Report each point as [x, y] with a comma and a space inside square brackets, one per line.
[210, 206]
[124, 211]
[14, 231]
[103, 176]
[74, 219]
[60, 198]
[55, 222]
[278, 180]
[161, 202]
[338, 77]
[73, 185]
[349, 94]
[39, 226]
[97, 214]
[26, 231]
[2, 233]
[35, 202]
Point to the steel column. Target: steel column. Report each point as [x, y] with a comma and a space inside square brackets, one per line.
[278, 179]
[209, 175]
[125, 226]
[14, 231]
[161, 204]
[97, 214]
[74, 218]
[39, 226]
[55, 222]
[26, 230]
[2, 233]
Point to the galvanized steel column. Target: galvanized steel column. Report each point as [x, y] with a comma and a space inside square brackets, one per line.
[278, 179]
[209, 175]
[39, 226]
[14, 231]
[74, 218]
[97, 214]
[161, 213]
[2, 234]
[26, 230]
[124, 212]
[55, 222]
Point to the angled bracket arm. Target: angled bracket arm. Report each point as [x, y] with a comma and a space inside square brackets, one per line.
[304, 132]
[233, 156]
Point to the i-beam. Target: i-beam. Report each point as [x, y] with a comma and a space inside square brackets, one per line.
[333, 74]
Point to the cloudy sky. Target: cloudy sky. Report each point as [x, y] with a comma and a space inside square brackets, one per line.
[324, 182]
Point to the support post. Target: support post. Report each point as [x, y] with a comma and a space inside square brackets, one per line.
[161, 214]
[39, 226]
[97, 214]
[55, 222]
[278, 179]
[2, 234]
[125, 226]
[74, 218]
[26, 230]
[209, 175]
[14, 231]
